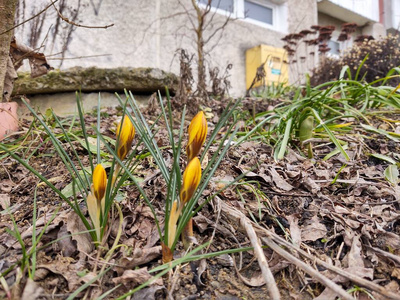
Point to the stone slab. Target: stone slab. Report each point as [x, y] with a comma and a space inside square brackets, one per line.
[137, 80]
[64, 104]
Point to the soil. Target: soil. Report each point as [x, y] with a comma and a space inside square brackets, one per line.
[344, 213]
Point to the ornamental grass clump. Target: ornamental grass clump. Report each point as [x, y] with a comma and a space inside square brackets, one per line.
[89, 182]
[191, 179]
[184, 189]
[328, 111]
[97, 197]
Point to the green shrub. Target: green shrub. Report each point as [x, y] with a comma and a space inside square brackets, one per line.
[382, 56]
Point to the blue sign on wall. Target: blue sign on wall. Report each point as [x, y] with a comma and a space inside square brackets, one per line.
[275, 71]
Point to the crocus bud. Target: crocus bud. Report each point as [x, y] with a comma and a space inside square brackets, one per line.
[99, 182]
[125, 137]
[306, 129]
[197, 135]
[191, 179]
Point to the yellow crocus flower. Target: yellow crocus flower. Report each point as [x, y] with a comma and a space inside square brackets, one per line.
[99, 182]
[191, 179]
[197, 135]
[125, 137]
[95, 200]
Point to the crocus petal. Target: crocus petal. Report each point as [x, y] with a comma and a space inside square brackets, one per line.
[94, 213]
[173, 218]
[197, 135]
[99, 182]
[125, 137]
[191, 179]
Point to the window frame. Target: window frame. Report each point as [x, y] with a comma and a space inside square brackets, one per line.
[278, 23]
[266, 4]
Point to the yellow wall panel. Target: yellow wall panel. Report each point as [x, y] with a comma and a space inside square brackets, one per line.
[276, 67]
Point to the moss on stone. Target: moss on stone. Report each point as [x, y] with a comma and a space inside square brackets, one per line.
[137, 80]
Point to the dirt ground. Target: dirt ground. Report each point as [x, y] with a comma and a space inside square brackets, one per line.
[343, 215]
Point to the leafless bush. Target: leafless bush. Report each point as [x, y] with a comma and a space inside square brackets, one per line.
[220, 84]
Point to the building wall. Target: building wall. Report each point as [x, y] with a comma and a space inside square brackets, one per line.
[391, 15]
[367, 8]
[325, 20]
[148, 33]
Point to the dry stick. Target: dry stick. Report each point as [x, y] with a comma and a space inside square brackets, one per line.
[237, 215]
[385, 254]
[262, 261]
[354, 278]
[79, 25]
[308, 269]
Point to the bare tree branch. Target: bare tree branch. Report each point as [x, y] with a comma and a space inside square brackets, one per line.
[31, 18]
[79, 25]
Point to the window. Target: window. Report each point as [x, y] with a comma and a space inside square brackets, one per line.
[258, 12]
[266, 13]
[335, 48]
[226, 5]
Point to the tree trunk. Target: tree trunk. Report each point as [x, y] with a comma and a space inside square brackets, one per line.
[201, 71]
[7, 15]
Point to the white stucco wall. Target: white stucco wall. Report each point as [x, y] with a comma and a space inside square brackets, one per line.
[148, 33]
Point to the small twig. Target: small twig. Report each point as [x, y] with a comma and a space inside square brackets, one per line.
[174, 281]
[31, 18]
[262, 261]
[215, 226]
[79, 25]
[354, 278]
[78, 57]
[385, 254]
[236, 215]
[308, 269]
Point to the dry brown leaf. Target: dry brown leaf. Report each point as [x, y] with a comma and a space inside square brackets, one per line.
[139, 257]
[355, 261]
[76, 227]
[61, 266]
[295, 231]
[65, 243]
[323, 173]
[224, 260]
[279, 181]
[371, 172]
[4, 201]
[6, 185]
[313, 230]
[311, 185]
[255, 281]
[133, 278]
[327, 294]
[201, 222]
[145, 228]
[31, 291]
[37, 61]
[149, 293]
